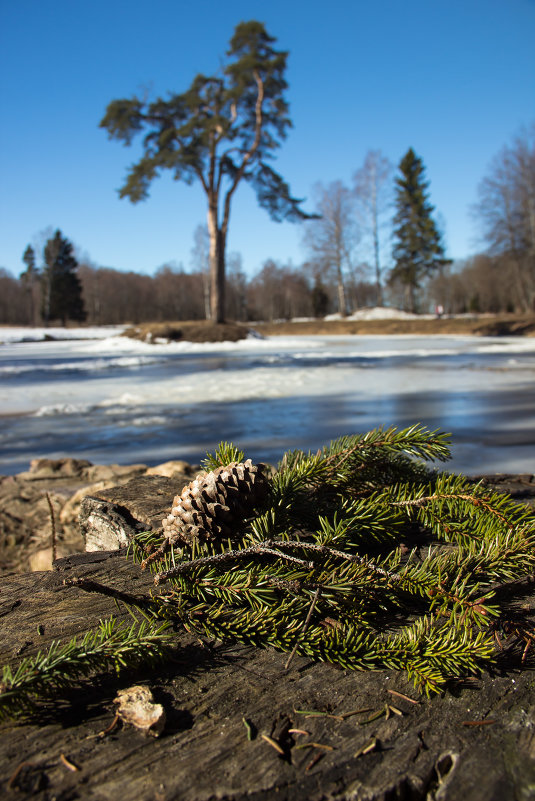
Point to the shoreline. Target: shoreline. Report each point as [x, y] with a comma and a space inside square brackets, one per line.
[198, 331]
[483, 325]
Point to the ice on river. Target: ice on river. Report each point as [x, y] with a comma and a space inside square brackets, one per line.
[93, 394]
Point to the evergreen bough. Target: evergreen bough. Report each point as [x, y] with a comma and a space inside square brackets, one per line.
[112, 646]
[363, 556]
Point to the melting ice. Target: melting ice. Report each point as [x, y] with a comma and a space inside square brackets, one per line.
[108, 398]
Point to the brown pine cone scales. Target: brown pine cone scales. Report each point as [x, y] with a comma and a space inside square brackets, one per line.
[214, 504]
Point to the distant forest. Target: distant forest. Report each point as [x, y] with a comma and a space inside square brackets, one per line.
[373, 216]
[278, 292]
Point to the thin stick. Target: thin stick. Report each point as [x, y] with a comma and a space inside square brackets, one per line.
[53, 522]
[14, 776]
[305, 627]
[266, 547]
[271, 547]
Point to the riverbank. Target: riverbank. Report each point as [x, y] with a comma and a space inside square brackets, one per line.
[42, 503]
[365, 322]
[462, 325]
[480, 325]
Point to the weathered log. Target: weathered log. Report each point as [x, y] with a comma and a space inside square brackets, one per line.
[477, 741]
[110, 518]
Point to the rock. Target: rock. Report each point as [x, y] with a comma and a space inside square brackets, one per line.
[25, 521]
[177, 467]
[113, 472]
[52, 468]
[43, 559]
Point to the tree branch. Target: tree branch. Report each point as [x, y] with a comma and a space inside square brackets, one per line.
[250, 153]
[271, 547]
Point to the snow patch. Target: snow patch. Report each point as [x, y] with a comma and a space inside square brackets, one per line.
[380, 313]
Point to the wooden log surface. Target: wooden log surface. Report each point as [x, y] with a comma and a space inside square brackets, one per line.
[477, 741]
[109, 519]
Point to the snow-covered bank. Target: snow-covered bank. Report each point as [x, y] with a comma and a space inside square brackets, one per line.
[381, 313]
[10, 334]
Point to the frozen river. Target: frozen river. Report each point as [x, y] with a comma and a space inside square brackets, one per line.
[112, 399]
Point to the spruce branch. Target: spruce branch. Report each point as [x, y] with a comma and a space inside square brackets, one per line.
[225, 453]
[330, 516]
[110, 646]
[415, 441]
[452, 498]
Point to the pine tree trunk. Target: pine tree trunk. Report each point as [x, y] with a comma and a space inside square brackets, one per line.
[217, 267]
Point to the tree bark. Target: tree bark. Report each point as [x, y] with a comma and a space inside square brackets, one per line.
[237, 726]
[379, 287]
[342, 304]
[217, 266]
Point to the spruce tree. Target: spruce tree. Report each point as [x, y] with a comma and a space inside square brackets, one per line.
[62, 290]
[418, 249]
[29, 260]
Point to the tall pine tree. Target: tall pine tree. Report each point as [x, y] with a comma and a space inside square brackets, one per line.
[418, 249]
[62, 290]
[221, 131]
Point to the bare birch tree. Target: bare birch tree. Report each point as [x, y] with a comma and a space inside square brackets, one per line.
[506, 212]
[200, 261]
[372, 188]
[330, 240]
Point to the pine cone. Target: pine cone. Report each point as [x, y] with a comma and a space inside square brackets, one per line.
[214, 504]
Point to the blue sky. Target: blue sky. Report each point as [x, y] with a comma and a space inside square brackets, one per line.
[454, 79]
